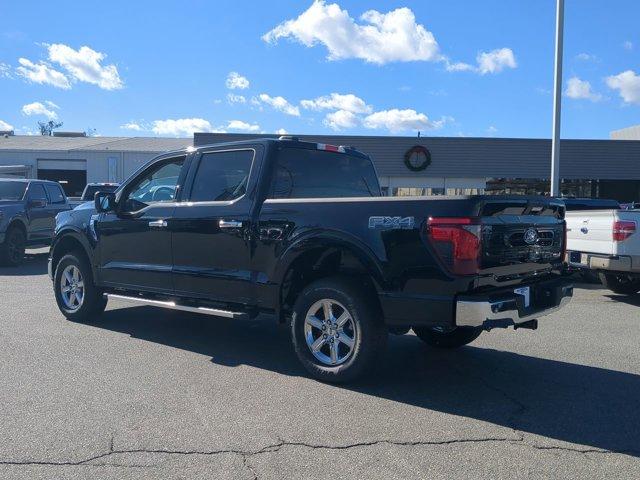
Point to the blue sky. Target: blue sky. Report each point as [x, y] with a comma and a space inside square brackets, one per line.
[455, 68]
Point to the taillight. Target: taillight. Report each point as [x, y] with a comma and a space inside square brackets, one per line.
[457, 241]
[623, 229]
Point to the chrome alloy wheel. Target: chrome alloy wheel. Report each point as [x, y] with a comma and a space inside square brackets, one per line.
[330, 332]
[72, 288]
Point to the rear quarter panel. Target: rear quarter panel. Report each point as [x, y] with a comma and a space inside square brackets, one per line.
[395, 253]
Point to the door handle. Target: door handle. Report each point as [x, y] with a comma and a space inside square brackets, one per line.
[158, 224]
[229, 224]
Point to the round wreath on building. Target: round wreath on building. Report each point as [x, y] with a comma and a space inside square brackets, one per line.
[417, 158]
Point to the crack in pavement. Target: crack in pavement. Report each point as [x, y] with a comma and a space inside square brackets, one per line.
[276, 447]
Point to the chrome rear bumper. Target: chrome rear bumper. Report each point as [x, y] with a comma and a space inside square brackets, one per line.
[507, 308]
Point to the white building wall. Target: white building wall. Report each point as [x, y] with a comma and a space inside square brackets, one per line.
[97, 162]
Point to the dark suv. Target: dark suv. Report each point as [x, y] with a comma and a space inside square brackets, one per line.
[27, 216]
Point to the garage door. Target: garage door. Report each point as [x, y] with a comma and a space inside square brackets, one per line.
[70, 174]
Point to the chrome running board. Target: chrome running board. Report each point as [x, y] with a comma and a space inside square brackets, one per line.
[174, 306]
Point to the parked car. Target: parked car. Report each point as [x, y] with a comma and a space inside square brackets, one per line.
[27, 216]
[606, 241]
[90, 190]
[300, 230]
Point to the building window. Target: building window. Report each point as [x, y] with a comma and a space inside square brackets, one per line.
[416, 191]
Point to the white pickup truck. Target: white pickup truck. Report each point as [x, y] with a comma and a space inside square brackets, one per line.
[606, 241]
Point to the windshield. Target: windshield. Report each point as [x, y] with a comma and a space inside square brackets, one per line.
[12, 190]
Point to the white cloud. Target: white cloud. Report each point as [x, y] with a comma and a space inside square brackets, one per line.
[233, 98]
[85, 65]
[486, 62]
[280, 104]
[281, 131]
[581, 90]
[235, 80]
[244, 126]
[37, 108]
[380, 37]
[496, 60]
[341, 119]
[5, 70]
[628, 85]
[336, 101]
[181, 126]
[492, 130]
[42, 73]
[628, 45]
[460, 67]
[396, 120]
[82, 65]
[586, 57]
[132, 126]
[5, 126]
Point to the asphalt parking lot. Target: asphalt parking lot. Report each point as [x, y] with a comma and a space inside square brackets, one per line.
[147, 393]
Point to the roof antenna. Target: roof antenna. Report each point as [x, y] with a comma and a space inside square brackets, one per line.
[418, 133]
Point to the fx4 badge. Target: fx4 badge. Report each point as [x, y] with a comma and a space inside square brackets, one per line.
[392, 223]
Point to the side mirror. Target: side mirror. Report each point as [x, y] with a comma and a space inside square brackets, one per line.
[105, 202]
[37, 203]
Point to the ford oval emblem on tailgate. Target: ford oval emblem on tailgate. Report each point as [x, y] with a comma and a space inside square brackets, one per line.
[530, 236]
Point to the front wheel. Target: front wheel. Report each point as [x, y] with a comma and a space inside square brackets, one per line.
[337, 331]
[623, 284]
[12, 250]
[76, 295]
[447, 337]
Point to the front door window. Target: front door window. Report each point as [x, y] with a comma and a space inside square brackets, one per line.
[156, 185]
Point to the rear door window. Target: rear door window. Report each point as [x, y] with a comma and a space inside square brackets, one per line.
[222, 176]
[304, 173]
[55, 194]
[36, 192]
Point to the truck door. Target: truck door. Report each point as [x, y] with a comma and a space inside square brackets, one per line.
[57, 203]
[212, 234]
[135, 240]
[37, 214]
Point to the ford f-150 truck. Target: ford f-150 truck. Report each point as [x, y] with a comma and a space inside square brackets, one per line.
[27, 216]
[300, 230]
[606, 241]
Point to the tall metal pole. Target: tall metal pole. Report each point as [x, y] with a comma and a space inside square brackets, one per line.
[557, 102]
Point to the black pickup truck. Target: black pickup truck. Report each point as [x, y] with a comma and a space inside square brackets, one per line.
[300, 231]
[27, 216]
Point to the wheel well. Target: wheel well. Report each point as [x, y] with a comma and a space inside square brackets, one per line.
[318, 263]
[19, 225]
[66, 245]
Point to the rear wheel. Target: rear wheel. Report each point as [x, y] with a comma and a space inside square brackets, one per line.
[442, 337]
[76, 295]
[12, 250]
[337, 330]
[621, 283]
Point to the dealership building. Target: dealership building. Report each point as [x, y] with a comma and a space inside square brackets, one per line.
[405, 165]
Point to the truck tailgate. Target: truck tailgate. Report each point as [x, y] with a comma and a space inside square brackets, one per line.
[521, 237]
[591, 231]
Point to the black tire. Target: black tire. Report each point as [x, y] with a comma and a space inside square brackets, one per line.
[93, 302]
[365, 327]
[12, 249]
[622, 284]
[455, 338]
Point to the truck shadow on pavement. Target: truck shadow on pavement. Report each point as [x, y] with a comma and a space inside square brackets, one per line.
[628, 299]
[580, 404]
[34, 264]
